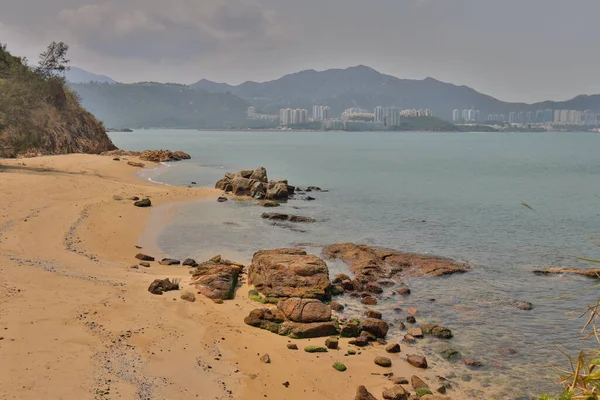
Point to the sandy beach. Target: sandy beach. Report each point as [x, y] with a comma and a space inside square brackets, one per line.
[77, 322]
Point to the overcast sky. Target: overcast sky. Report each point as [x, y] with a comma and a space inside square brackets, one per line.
[516, 50]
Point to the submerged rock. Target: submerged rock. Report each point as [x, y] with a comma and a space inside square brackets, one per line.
[590, 273]
[370, 263]
[437, 330]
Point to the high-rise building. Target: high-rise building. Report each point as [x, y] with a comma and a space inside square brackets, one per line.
[320, 113]
[288, 116]
[251, 111]
[456, 115]
[379, 115]
[512, 117]
[392, 116]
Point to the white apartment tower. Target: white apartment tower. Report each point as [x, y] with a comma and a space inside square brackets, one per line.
[379, 114]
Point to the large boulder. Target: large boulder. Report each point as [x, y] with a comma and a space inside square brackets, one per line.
[370, 264]
[216, 280]
[260, 174]
[306, 331]
[285, 273]
[305, 310]
[258, 190]
[265, 318]
[277, 190]
[377, 327]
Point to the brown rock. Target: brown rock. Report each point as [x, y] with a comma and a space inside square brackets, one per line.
[135, 164]
[188, 296]
[416, 332]
[412, 310]
[409, 339]
[360, 341]
[144, 257]
[393, 348]
[337, 307]
[269, 204]
[417, 361]
[159, 286]
[277, 190]
[395, 393]
[266, 359]
[332, 343]
[383, 362]
[240, 186]
[411, 319]
[289, 273]
[260, 174]
[350, 329]
[473, 363]
[374, 314]
[305, 310]
[341, 278]
[590, 273]
[403, 291]
[374, 288]
[377, 327]
[418, 383]
[298, 330]
[216, 281]
[437, 330]
[169, 261]
[363, 394]
[369, 301]
[145, 264]
[265, 318]
[292, 346]
[399, 380]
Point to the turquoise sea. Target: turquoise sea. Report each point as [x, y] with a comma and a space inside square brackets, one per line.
[451, 194]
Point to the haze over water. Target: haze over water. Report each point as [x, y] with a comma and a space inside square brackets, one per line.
[449, 194]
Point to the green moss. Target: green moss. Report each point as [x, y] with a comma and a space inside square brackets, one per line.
[355, 321]
[339, 366]
[255, 296]
[423, 391]
[337, 291]
[315, 349]
[351, 352]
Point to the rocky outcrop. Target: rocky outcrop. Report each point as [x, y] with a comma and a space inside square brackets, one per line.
[163, 155]
[275, 321]
[256, 184]
[590, 273]
[217, 279]
[370, 263]
[285, 273]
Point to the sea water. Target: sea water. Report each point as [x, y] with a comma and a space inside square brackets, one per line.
[507, 203]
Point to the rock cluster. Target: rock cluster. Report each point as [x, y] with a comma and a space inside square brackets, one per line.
[286, 217]
[216, 278]
[256, 184]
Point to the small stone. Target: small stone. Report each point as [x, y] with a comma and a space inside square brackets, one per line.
[369, 301]
[315, 349]
[411, 319]
[399, 380]
[473, 363]
[145, 264]
[339, 366]
[418, 383]
[116, 159]
[337, 307]
[189, 262]
[416, 332]
[441, 389]
[143, 203]
[412, 310]
[403, 291]
[363, 394]
[374, 314]
[222, 199]
[144, 257]
[292, 346]
[451, 354]
[373, 287]
[117, 197]
[332, 343]
[401, 326]
[169, 261]
[337, 290]
[360, 341]
[351, 352]
[286, 384]
[269, 204]
[393, 348]
[216, 259]
[266, 359]
[395, 393]
[417, 361]
[134, 267]
[383, 362]
[188, 296]
[368, 335]
[409, 339]
[133, 198]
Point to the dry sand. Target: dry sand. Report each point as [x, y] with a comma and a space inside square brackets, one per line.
[77, 322]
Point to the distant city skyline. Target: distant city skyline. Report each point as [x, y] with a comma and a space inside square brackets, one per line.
[546, 116]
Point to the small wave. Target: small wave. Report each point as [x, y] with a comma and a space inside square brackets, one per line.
[158, 182]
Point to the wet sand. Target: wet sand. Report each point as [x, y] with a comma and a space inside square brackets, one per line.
[77, 322]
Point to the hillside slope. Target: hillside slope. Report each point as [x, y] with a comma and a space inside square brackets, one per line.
[155, 105]
[39, 115]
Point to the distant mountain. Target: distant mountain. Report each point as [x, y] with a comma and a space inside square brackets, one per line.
[151, 105]
[366, 88]
[78, 75]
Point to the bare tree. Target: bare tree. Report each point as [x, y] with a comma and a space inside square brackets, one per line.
[54, 60]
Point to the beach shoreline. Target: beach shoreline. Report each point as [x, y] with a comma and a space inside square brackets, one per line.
[76, 311]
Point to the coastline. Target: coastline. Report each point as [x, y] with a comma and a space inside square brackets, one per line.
[77, 312]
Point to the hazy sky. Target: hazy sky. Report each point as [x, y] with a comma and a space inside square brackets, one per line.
[516, 50]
